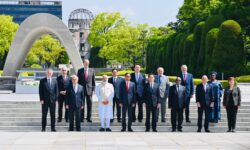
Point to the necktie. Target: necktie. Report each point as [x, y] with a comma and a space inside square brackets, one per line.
[137, 77]
[178, 88]
[204, 85]
[114, 80]
[151, 85]
[159, 79]
[184, 76]
[127, 86]
[86, 75]
[50, 82]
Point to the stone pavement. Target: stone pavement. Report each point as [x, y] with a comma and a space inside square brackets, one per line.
[123, 141]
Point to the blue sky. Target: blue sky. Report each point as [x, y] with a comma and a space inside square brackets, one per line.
[154, 12]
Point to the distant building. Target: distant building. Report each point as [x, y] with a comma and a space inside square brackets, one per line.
[21, 9]
[79, 24]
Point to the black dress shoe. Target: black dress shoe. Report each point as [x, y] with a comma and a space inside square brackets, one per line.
[207, 131]
[140, 120]
[229, 130]
[154, 130]
[66, 120]
[180, 130]
[173, 130]
[78, 130]
[59, 120]
[43, 130]
[147, 130]
[111, 120]
[89, 120]
[101, 129]
[82, 120]
[118, 120]
[188, 121]
[70, 130]
[233, 130]
[108, 130]
[53, 130]
[163, 120]
[123, 130]
[130, 130]
[199, 130]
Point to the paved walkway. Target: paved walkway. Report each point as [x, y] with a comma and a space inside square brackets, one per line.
[123, 141]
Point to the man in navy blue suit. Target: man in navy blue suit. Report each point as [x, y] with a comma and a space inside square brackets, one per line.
[187, 81]
[139, 79]
[127, 101]
[152, 102]
[116, 81]
[204, 100]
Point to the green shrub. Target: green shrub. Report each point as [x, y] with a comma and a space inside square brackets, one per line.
[243, 78]
[36, 66]
[228, 55]
[1, 72]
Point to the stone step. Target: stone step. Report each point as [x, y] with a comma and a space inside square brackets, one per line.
[31, 119]
[116, 129]
[97, 123]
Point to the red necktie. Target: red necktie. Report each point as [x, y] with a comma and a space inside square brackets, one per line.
[127, 86]
[86, 75]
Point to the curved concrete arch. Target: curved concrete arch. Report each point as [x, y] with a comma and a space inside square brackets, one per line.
[30, 30]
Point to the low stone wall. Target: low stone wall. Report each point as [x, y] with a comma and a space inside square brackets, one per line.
[7, 83]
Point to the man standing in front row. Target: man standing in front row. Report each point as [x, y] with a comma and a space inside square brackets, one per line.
[204, 100]
[187, 81]
[139, 79]
[152, 102]
[75, 103]
[127, 101]
[48, 93]
[176, 103]
[105, 94]
[116, 81]
[86, 77]
[164, 85]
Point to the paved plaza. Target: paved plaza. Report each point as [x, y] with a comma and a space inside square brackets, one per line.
[123, 141]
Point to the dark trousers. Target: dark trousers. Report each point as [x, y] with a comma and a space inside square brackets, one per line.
[89, 107]
[151, 110]
[176, 113]
[231, 116]
[126, 108]
[187, 108]
[139, 103]
[52, 108]
[74, 116]
[205, 109]
[61, 101]
[117, 106]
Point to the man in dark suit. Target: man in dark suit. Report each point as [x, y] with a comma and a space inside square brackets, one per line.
[187, 81]
[63, 82]
[152, 102]
[139, 79]
[75, 103]
[48, 93]
[86, 77]
[127, 101]
[116, 81]
[204, 100]
[176, 103]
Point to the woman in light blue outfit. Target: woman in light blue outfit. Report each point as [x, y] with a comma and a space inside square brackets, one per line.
[217, 93]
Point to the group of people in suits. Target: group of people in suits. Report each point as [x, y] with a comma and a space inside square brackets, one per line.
[133, 93]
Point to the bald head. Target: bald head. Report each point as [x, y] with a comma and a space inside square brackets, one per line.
[204, 79]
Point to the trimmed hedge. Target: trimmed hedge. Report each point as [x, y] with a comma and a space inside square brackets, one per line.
[228, 55]
[1, 72]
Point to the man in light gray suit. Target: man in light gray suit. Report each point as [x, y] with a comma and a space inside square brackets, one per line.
[86, 77]
[164, 85]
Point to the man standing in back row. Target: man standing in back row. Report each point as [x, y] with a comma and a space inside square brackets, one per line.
[139, 79]
[86, 77]
[187, 81]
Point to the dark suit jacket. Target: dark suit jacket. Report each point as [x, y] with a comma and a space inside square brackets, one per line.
[47, 94]
[140, 84]
[204, 98]
[177, 99]
[117, 85]
[189, 84]
[152, 96]
[63, 84]
[127, 97]
[75, 100]
[88, 85]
